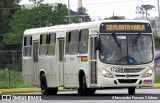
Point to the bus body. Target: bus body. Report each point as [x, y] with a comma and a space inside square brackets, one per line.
[89, 56]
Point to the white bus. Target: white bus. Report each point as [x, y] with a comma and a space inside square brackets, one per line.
[89, 56]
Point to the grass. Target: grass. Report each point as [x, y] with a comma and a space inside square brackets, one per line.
[17, 85]
[157, 79]
[11, 79]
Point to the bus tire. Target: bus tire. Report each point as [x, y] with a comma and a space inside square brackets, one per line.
[86, 91]
[80, 91]
[92, 91]
[131, 90]
[44, 89]
[52, 91]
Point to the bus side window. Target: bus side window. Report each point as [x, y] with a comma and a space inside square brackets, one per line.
[73, 42]
[43, 44]
[83, 44]
[27, 46]
[51, 44]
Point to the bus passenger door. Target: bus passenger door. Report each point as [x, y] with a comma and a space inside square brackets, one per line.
[93, 62]
[35, 63]
[61, 61]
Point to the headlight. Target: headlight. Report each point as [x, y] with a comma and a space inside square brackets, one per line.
[148, 73]
[106, 73]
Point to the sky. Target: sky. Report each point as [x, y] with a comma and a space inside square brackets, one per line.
[105, 8]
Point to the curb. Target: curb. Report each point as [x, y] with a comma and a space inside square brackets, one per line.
[35, 89]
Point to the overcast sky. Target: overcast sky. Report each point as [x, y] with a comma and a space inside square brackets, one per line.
[105, 8]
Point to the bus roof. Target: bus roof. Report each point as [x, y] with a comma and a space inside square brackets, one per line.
[68, 27]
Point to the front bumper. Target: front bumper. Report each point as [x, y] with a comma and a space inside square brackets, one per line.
[104, 82]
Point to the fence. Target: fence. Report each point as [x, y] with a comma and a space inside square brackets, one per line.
[157, 70]
[10, 68]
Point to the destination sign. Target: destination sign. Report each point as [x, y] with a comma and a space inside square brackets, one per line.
[125, 27]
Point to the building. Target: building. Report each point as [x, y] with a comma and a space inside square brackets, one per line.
[82, 17]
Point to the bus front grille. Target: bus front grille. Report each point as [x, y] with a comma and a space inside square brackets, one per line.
[127, 80]
[125, 75]
[131, 70]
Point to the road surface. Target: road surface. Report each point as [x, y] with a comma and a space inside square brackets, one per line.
[101, 96]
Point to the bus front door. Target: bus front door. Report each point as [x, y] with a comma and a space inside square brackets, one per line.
[61, 61]
[35, 63]
[93, 62]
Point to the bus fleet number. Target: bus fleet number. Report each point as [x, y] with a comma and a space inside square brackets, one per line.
[117, 69]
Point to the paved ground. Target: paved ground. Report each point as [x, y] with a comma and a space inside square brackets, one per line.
[34, 89]
[101, 96]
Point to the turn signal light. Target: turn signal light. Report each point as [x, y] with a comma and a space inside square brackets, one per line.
[84, 58]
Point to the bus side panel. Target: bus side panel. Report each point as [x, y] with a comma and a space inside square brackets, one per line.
[84, 65]
[27, 71]
[48, 65]
[71, 68]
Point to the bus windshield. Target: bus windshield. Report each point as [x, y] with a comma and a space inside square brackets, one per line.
[122, 49]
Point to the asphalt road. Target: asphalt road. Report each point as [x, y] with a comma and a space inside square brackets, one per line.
[101, 96]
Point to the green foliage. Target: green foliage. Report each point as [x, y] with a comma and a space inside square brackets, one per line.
[143, 9]
[59, 15]
[8, 8]
[157, 79]
[75, 20]
[10, 78]
[40, 16]
[153, 23]
[157, 41]
[3, 75]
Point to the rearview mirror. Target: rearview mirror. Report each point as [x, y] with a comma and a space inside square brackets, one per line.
[97, 43]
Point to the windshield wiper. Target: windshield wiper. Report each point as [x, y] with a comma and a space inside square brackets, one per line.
[136, 40]
[116, 40]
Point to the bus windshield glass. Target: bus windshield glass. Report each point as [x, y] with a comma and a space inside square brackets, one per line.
[122, 49]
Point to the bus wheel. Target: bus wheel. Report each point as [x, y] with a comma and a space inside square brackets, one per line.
[131, 90]
[43, 84]
[86, 91]
[44, 89]
[80, 91]
[52, 91]
[92, 91]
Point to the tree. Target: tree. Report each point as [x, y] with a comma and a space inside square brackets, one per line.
[143, 9]
[7, 9]
[59, 15]
[40, 16]
[75, 19]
